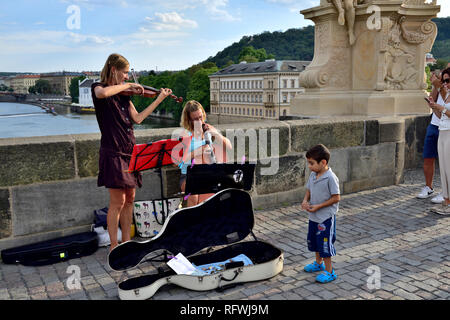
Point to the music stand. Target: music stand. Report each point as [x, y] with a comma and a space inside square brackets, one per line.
[153, 155]
[212, 178]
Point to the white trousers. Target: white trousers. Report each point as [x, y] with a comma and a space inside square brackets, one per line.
[444, 161]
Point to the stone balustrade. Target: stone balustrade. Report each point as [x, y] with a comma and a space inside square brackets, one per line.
[48, 185]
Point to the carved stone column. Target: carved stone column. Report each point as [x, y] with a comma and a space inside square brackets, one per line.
[382, 73]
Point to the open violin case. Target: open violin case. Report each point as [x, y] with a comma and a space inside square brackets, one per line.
[209, 233]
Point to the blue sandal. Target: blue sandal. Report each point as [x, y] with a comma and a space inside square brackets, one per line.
[314, 267]
[326, 277]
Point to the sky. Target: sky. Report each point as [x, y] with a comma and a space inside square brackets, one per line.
[78, 35]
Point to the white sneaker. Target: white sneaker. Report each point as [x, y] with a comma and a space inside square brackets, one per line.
[438, 199]
[425, 193]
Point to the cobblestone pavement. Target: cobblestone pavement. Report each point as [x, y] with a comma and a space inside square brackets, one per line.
[385, 229]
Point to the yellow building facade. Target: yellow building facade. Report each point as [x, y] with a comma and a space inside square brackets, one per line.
[21, 83]
[257, 90]
[60, 81]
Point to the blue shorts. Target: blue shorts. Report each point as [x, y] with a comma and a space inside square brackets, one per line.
[321, 237]
[430, 144]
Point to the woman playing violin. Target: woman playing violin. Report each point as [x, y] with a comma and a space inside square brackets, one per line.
[115, 116]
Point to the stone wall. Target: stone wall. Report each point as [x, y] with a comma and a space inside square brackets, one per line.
[48, 185]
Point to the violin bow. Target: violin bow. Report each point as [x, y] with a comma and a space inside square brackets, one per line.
[133, 74]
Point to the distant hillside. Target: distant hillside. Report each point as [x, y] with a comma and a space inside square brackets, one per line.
[441, 48]
[298, 44]
[293, 44]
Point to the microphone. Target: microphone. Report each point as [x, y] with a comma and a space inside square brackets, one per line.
[208, 141]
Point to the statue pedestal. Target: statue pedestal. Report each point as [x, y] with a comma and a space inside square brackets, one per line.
[347, 102]
[383, 72]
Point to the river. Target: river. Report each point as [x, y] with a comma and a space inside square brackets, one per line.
[24, 120]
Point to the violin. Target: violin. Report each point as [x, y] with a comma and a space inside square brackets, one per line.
[149, 92]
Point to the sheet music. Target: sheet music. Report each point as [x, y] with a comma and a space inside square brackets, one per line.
[181, 265]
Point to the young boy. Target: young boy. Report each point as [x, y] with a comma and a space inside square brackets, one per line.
[322, 203]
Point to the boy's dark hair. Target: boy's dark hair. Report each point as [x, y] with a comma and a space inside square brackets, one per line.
[318, 153]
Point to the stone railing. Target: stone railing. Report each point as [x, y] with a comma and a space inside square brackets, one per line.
[48, 185]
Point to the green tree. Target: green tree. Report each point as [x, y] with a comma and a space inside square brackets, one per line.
[441, 64]
[74, 88]
[293, 44]
[31, 90]
[250, 54]
[190, 84]
[199, 87]
[178, 82]
[208, 65]
[229, 63]
[180, 85]
[43, 87]
[248, 58]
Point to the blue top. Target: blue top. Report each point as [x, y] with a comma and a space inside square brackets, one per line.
[195, 144]
[321, 190]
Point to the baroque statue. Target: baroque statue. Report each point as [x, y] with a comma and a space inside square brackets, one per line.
[346, 11]
[369, 58]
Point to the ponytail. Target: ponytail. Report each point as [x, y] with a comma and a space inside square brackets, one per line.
[114, 60]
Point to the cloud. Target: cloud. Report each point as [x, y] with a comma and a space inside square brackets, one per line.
[90, 39]
[92, 4]
[170, 21]
[296, 5]
[445, 8]
[216, 9]
[146, 38]
[46, 41]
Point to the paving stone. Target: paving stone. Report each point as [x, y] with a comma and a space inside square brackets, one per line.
[406, 295]
[385, 227]
[325, 294]
[255, 290]
[39, 296]
[406, 286]
[4, 294]
[19, 293]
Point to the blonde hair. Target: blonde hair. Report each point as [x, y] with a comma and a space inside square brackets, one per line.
[114, 60]
[191, 106]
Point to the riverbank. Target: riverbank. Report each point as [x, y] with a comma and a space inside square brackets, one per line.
[31, 119]
[45, 105]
